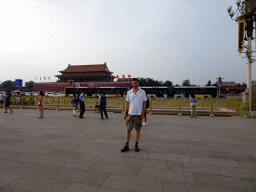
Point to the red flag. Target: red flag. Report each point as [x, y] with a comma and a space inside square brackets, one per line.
[129, 75]
[123, 76]
[117, 76]
[49, 78]
[44, 78]
[40, 78]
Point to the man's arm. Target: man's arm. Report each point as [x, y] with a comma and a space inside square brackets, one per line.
[99, 101]
[127, 103]
[143, 110]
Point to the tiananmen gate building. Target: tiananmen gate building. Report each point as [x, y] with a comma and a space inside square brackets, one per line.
[97, 75]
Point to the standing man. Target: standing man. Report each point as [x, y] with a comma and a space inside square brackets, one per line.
[136, 103]
[102, 104]
[81, 100]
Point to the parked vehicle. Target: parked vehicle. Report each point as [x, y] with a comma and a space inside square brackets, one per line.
[35, 94]
[60, 94]
[28, 93]
[16, 92]
[49, 94]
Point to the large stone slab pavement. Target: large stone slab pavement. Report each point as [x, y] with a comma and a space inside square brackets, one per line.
[65, 153]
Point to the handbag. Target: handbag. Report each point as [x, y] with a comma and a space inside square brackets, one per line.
[39, 103]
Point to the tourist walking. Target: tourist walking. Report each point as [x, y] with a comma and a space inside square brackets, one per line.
[193, 103]
[8, 102]
[96, 107]
[75, 104]
[82, 107]
[40, 99]
[136, 103]
[103, 104]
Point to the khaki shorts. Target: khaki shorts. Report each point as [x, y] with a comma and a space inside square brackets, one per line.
[133, 121]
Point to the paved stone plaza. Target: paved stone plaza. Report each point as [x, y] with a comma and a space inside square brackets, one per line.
[65, 153]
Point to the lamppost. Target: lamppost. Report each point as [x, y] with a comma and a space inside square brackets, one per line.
[245, 16]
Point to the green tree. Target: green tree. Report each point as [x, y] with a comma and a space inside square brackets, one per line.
[29, 84]
[215, 84]
[168, 83]
[186, 82]
[244, 85]
[8, 85]
[238, 85]
[149, 82]
[209, 83]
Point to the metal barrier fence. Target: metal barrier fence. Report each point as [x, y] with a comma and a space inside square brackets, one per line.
[173, 106]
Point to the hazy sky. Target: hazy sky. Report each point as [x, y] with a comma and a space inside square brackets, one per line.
[160, 39]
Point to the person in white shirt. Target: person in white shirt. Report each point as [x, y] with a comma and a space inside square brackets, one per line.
[81, 100]
[135, 105]
[193, 103]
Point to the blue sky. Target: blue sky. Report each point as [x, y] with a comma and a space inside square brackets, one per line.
[164, 39]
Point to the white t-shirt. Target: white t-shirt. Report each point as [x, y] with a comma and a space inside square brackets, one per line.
[1, 97]
[136, 101]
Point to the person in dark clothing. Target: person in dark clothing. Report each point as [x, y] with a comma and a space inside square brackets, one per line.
[102, 104]
[81, 100]
[8, 102]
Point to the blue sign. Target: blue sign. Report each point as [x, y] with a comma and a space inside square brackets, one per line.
[18, 82]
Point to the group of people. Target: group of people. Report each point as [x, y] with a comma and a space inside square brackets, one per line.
[101, 103]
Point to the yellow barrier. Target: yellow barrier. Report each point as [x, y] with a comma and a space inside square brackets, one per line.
[211, 114]
[211, 107]
[180, 114]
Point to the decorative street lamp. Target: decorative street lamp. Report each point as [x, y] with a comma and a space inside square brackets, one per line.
[245, 16]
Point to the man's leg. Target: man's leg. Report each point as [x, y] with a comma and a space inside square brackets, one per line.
[137, 136]
[128, 136]
[81, 109]
[129, 126]
[105, 112]
[101, 112]
[138, 125]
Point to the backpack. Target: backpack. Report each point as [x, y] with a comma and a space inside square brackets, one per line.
[147, 103]
[103, 100]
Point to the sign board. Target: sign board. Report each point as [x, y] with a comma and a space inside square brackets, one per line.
[18, 82]
[253, 97]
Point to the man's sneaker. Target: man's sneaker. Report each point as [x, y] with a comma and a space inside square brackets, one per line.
[125, 148]
[136, 148]
[144, 123]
